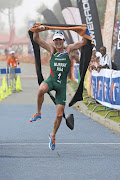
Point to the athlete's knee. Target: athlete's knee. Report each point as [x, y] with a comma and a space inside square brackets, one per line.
[40, 92]
[59, 116]
[43, 89]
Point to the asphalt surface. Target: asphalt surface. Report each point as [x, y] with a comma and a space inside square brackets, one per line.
[89, 152]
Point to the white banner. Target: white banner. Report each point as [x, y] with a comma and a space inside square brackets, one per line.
[106, 87]
[72, 16]
[108, 25]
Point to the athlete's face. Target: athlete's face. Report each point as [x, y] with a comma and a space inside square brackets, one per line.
[59, 43]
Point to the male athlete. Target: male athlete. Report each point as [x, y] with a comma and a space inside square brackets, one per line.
[60, 64]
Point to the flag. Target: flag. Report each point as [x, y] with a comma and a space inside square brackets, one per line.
[86, 53]
[82, 30]
[36, 49]
[12, 36]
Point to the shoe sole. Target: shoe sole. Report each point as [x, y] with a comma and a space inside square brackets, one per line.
[35, 120]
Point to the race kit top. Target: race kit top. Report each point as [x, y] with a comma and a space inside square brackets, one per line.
[60, 66]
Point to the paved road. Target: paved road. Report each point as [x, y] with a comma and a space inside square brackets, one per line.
[89, 152]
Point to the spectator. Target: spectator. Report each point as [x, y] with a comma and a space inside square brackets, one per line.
[105, 61]
[94, 63]
[12, 60]
[12, 64]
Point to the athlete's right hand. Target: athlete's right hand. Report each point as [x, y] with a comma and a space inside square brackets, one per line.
[36, 24]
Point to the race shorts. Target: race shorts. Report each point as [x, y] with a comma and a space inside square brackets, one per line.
[60, 96]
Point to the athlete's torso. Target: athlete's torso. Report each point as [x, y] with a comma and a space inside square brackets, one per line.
[59, 66]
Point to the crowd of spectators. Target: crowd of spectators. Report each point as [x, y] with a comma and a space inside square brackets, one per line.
[99, 60]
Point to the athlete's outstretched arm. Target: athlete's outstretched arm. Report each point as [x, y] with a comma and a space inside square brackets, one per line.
[76, 45]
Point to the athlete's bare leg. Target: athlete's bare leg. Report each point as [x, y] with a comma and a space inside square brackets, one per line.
[59, 115]
[40, 98]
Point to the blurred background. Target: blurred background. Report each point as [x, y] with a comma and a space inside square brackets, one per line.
[17, 16]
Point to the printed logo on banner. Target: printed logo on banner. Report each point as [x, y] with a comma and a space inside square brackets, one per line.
[94, 87]
[99, 88]
[115, 91]
[106, 90]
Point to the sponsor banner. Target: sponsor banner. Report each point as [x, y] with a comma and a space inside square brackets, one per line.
[117, 52]
[108, 25]
[72, 16]
[106, 87]
[89, 16]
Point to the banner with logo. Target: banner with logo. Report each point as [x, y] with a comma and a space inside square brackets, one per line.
[89, 16]
[106, 87]
[117, 52]
[117, 42]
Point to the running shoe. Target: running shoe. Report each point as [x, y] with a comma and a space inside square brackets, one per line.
[35, 117]
[51, 143]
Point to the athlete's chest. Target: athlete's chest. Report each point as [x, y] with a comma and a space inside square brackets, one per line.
[60, 61]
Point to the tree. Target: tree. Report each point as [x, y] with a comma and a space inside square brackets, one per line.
[10, 5]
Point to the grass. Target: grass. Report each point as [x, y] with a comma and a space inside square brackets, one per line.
[92, 105]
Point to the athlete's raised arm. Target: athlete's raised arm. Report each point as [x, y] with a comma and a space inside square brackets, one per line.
[77, 45]
[42, 43]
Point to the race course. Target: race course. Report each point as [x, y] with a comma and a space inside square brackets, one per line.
[89, 152]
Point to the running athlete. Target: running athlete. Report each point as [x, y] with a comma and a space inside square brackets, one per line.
[60, 64]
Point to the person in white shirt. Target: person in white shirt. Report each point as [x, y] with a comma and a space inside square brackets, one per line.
[105, 61]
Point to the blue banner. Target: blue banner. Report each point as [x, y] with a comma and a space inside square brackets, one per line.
[106, 87]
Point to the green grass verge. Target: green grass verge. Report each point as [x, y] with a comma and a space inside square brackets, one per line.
[116, 118]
